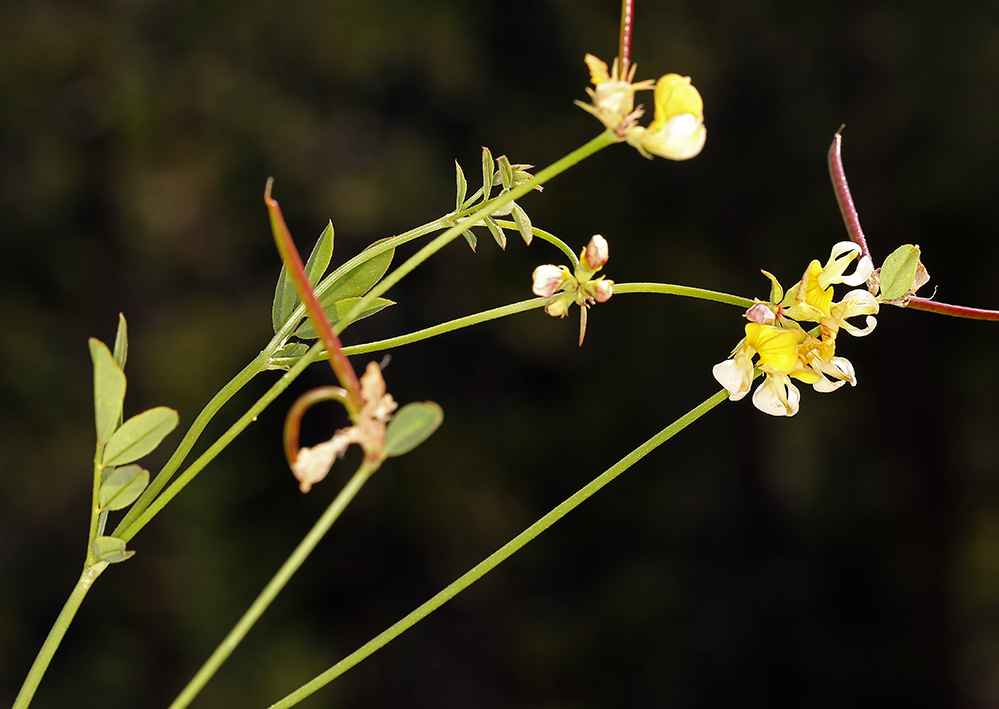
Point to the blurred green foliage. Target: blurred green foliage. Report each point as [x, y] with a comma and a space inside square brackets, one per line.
[846, 557]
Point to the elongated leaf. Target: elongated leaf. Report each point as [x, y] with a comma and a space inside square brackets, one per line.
[336, 311]
[487, 173]
[523, 223]
[411, 426]
[121, 343]
[498, 234]
[109, 390]
[462, 185]
[285, 296]
[899, 271]
[122, 487]
[360, 279]
[471, 238]
[110, 549]
[139, 435]
[505, 171]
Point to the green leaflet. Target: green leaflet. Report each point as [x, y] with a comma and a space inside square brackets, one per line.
[109, 390]
[139, 436]
[410, 426]
[285, 296]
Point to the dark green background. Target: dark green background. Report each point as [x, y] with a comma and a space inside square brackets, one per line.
[848, 556]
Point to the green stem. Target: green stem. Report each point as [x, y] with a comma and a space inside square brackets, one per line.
[500, 555]
[44, 657]
[245, 420]
[275, 585]
[191, 437]
[686, 291]
[545, 236]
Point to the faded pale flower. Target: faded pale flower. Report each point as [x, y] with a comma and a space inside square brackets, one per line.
[313, 464]
[761, 313]
[613, 97]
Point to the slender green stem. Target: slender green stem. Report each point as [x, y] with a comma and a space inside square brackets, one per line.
[686, 291]
[94, 505]
[44, 657]
[275, 585]
[545, 236]
[245, 420]
[251, 370]
[500, 555]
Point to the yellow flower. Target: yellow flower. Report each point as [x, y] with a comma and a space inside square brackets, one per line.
[778, 352]
[677, 131]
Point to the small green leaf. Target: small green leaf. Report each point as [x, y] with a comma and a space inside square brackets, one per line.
[336, 311]
[505, 171]
[285, 296]
[122, 487]
[523, 223]
[411, 426]
[462, 184]
[899, 272]
[470, 238]
[286, 356]
[487, 173]
[121, 343]
[109, 390]
[498, 234]
[110, 549]
[139, 435]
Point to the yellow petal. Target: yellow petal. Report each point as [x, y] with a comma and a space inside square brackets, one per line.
[778, 348]
[675, 95]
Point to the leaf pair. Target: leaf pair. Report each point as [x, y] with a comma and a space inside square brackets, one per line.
[337, 299]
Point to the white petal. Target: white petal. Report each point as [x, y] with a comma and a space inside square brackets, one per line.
[864, 270]
[777, 396]
[736, 375]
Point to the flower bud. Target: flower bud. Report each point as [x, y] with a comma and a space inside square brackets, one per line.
[558, 307]
[761, 314]
[548, 279]
[595, 255]
[603, 289]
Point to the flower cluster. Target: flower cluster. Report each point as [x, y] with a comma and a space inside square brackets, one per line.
[677, 131]
[785, 350]
[563, 288]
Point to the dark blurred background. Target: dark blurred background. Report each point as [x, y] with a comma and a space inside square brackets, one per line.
[848, 556]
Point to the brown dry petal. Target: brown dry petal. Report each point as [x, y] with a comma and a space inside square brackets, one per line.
[313, 464]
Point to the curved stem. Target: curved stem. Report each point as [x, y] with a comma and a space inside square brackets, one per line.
[66, 615]
[274, 586]
[843, 197]
[550, 238]
[503, 553]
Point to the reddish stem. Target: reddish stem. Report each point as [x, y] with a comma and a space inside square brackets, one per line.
[956, 311]
[293, 262]
[293, 422]
[843, 196]
[627, 25]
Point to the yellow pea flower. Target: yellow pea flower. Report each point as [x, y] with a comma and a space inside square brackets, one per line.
[677, 131]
